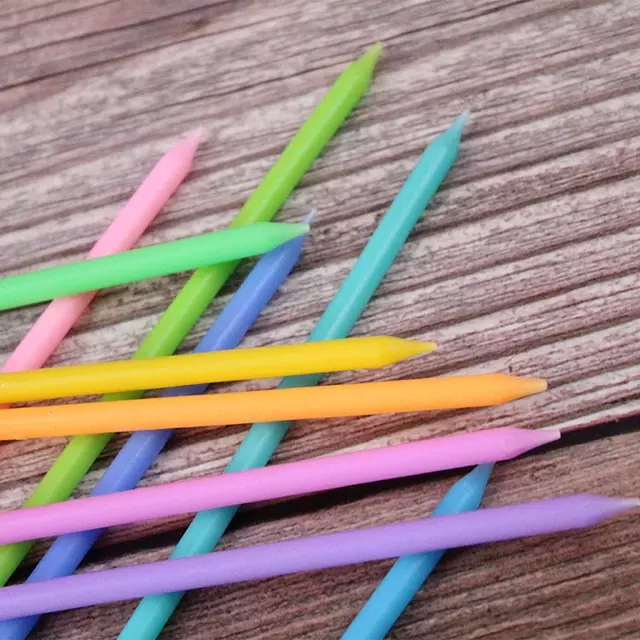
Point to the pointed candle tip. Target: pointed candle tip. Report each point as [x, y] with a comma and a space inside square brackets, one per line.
[481, 473]
[548, 435]
[630, 503]
[417, 347]
[458, 125]
[197, 134]
[372, 54]
[302, 229]
[190, 144]
[531, 386]
[308, 219]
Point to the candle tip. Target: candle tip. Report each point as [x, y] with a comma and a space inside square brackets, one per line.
[197, 134]
[547, 435]
[301, 229]
[372, 54]
[418, 346]
[190, 144]
[458, 125]
[481, 473]
[530, 386]
[516, 387]
[308, 219]
[519, 440]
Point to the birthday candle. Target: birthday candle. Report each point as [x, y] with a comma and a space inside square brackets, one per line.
[404, 579]
[299, 403]
[267, 483]
[339, 317]
[125, 230]
[233, 364]
[204, 284]
[312, 553]
[141, 449]
[149, 262]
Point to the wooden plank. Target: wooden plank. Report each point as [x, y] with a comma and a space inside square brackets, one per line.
[525, 262]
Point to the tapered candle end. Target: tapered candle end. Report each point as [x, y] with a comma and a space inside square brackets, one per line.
[190, 145]
[514, 441]
[455, 130]
[308, 219]
[276, 234]
[530, 386]
[508, 388]
[391, 349]
[374, 51]
[299, 229]
[544, 436]
[367, 61]
[516, 387]
[461, 120]
[532, 438]
[480, 475]
[609, 507]
[466, 494]
[417, 347]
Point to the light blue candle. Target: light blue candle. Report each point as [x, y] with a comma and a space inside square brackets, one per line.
[142, 448]
[337, 321]
[408, 574]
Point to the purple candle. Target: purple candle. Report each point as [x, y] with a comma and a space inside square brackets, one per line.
[312, 553]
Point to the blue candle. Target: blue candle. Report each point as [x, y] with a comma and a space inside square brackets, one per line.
[408, 574]
[142, 448]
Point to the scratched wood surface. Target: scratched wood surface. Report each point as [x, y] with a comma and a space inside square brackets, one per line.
[527, 261]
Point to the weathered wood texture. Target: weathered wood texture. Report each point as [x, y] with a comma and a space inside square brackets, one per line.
[526, 262]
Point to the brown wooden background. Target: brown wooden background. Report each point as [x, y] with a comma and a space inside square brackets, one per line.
[526, 262]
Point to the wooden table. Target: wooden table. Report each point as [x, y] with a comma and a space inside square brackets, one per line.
[527, 262]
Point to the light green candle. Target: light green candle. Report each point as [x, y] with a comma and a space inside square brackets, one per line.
[176, 322]
[149, 262]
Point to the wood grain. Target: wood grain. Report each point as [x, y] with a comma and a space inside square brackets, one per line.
[527, 261]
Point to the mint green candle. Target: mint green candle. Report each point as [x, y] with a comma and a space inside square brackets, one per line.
[149, 262]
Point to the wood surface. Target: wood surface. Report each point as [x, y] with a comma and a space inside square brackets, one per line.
[527, 261]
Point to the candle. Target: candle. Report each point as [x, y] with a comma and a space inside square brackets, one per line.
[267, 483]
[312, 553]
[149, 262]
[222, 366]
[299, 403]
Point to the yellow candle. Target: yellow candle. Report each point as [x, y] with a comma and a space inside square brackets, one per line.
[266, 406]
[220, 366]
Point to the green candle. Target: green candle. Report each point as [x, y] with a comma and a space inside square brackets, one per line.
[204, 284]
[149, 262]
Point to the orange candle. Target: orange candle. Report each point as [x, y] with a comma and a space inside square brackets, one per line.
[455, 392]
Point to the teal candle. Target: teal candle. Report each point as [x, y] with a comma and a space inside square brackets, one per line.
[336, 322]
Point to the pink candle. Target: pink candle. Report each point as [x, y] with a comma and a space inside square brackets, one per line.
[125, 230]
[265, 483]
